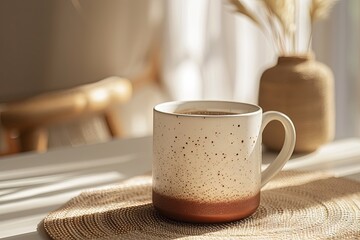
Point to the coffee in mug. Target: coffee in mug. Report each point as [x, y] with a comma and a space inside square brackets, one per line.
[207, 159]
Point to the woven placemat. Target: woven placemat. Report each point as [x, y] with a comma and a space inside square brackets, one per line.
[295, 205]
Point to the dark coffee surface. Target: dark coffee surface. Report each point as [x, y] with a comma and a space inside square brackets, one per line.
[207, 113]
[203, 212]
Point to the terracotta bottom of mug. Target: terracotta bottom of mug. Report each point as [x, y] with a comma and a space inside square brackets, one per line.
[203, 212]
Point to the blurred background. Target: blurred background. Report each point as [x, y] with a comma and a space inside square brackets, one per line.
[76, 72]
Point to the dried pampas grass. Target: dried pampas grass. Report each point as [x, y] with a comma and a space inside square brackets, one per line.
[241, 8]
[280, 18]
[284, 10]
[320, 9]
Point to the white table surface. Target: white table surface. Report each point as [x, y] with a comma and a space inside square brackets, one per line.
[32, 184]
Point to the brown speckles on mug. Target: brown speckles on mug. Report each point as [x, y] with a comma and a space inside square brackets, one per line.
[204, 160]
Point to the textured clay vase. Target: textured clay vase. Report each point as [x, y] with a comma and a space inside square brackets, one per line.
[303, 89]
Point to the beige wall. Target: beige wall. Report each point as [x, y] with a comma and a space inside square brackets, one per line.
[25, 33]
[46, 45]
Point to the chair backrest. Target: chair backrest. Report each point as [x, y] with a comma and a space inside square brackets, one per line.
[30, 119]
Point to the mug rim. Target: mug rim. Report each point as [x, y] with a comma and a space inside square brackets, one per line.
[256, 109]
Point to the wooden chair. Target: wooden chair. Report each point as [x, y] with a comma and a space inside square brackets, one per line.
[26, 123]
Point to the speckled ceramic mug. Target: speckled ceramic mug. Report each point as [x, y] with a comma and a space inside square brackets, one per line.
[207, 159]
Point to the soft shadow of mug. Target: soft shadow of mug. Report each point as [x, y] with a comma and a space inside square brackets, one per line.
[207, 159]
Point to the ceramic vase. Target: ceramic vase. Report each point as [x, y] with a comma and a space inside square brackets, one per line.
[303, 89]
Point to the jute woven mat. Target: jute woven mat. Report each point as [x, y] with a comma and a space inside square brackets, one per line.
[295, 205]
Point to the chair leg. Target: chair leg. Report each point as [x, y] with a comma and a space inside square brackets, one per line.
[113, 124]
[9, 142]
[34, 140]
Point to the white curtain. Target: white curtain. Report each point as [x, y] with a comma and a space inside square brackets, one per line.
[336, 43]
[210, 53]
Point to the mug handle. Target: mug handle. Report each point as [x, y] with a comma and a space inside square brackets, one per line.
[287, 149]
